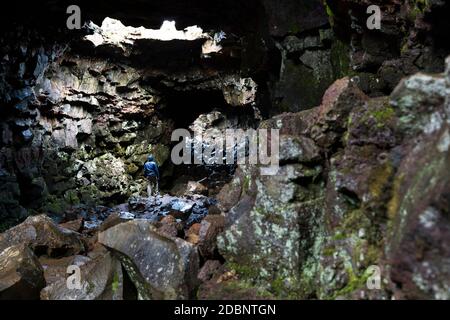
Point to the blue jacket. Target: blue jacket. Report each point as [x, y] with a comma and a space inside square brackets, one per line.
[151, 168]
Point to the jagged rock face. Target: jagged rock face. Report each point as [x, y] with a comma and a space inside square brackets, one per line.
[97, 120]
[419, 205]
[101, 278]
[21, 276]
[420, 221]
[409, 39]
[160, 267]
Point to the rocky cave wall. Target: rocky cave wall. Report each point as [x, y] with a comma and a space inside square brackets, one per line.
[364, 176]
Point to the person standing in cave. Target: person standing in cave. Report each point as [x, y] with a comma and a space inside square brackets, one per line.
[151, 172]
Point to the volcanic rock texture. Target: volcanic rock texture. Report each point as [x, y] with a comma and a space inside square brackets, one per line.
[363, 184]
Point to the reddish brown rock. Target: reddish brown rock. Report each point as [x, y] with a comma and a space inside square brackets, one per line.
[112, 220]
[231, 192]
[373, 123]
[192, 234]
[210, 228]
[212, 210]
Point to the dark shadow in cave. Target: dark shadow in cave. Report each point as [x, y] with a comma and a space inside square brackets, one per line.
[183, 108]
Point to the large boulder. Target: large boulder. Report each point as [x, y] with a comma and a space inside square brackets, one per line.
[210, 227]
[100, 278]
[267, 231]
[161, 267]
[21, 275]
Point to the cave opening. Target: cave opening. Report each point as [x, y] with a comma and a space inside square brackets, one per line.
[183, 107]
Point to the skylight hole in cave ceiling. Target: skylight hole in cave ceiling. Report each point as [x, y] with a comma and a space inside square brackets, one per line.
[114, 32]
